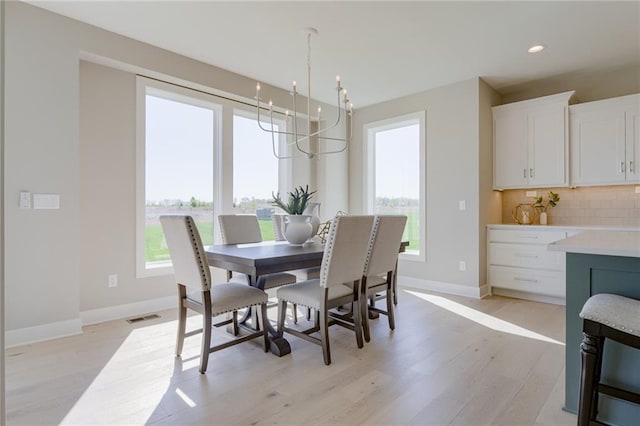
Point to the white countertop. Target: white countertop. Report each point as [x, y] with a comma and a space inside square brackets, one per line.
[609, 243]
[563, 227]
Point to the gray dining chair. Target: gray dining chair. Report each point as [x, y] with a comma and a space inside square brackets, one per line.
[343, 261]
[245, 229]
[300, 274]
[195, 290]
[380, 267]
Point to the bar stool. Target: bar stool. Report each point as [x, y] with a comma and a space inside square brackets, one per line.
[604, 316]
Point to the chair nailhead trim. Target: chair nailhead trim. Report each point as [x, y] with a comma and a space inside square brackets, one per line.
[374, 232]
[194, 240]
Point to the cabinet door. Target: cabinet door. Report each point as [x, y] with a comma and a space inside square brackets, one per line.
[547, 146]
[510, 149]
[633, 143]
[597, 146]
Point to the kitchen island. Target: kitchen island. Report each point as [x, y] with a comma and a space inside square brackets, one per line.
[601, 262]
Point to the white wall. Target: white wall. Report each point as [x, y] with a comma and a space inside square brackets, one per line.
[454, 150]
[80, 144]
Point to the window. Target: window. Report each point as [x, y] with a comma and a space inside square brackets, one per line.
[175, 167]
[255, 169]
[395, 173]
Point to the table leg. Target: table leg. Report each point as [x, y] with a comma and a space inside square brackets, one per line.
[278, 344]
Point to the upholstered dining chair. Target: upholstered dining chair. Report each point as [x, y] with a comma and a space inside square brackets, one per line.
[244, 229]
[196, 292]
[343, 261]
[380, 266]
[301, 274]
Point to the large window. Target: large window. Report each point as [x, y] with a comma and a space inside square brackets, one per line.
[395, 173]
[255, 169]
[176, 175]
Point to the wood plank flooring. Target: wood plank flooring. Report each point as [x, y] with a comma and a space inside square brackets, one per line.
[450, 361]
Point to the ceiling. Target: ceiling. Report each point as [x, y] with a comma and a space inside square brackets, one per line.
[382, 50]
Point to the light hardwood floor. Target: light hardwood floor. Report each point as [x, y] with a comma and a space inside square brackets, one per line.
[451, 360]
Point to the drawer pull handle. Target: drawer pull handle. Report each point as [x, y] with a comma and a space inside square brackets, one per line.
[529, 280]
[530, 256]
[534, 237]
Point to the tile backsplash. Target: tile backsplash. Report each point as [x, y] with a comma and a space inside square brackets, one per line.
[596, 205]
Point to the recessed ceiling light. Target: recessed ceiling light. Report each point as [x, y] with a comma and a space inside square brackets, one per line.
[536, 49]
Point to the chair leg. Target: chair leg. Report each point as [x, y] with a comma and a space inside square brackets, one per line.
[308, 314]
[390, 293]
[282, 313]
[390, 310]
[364, 313]
[182, 320]
[357, 322]
[263, 325]
[234, 322]
[589, 356]
[294, 313]
[206, 342]
[324, 334]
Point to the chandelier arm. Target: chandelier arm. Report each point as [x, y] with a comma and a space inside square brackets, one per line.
[298, 138]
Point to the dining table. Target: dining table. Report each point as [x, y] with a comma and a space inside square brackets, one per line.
[268, 257]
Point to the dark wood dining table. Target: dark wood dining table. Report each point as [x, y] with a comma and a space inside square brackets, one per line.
[268, 257]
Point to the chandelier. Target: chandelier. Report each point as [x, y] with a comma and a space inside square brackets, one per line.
[297, 139]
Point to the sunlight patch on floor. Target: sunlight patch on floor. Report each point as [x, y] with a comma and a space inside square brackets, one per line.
[482, 318]
[116, 385]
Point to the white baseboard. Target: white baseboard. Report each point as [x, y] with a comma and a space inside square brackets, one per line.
[444, 287]
[111, 313]
[40, 333]
[528, 296]
[56, 330]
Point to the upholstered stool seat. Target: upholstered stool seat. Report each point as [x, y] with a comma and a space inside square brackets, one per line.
[612, 317]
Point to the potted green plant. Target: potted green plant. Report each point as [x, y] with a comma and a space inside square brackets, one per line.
[297, 202]
[297, 226]
[552, 200]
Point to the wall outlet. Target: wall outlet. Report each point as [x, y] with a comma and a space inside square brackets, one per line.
[532, 193]
[462, 265]
[113, 280]
[637, 189]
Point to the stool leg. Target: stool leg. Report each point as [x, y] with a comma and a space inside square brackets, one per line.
[600, 354]
[588, 385]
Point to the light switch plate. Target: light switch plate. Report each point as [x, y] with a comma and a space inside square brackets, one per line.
[25, 200]
[462, 205]
[637, 189]
[46, 201]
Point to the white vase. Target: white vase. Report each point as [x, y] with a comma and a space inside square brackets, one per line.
[297, 228]
[543, 218]
[313, 210]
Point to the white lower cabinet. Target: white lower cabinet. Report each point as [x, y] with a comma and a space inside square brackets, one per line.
[519, 264]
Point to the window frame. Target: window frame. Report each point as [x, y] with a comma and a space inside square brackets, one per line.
[369, 131]
[146, 86]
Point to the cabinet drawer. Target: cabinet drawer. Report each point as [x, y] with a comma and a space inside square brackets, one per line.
[525, 236]
[551, 283]
[527, 256]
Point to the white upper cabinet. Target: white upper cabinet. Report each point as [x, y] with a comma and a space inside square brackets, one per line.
[530, 143]
[605, 141]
